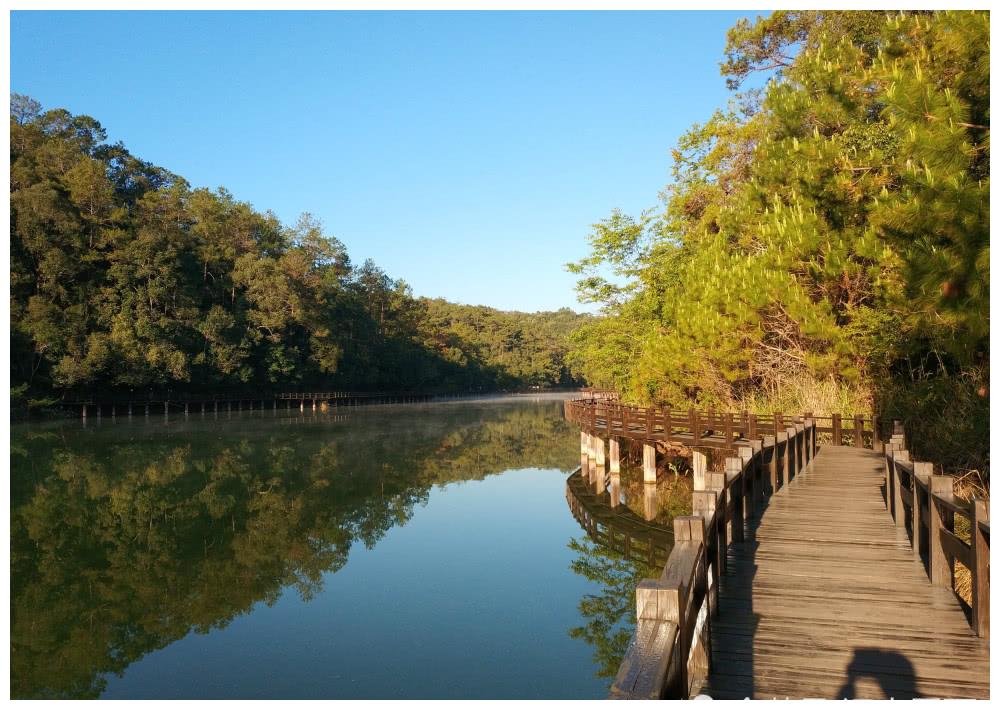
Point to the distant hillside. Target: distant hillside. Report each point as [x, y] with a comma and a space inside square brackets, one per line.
[125, 278]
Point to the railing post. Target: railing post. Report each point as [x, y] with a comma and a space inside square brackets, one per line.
[837, 434]
[800, 447]
[791, 464]
[859, 431]
[705, 503]
[695, 427]
[940, 566]
[734, 483]
[745, 454]
[756, 450]
[698, 646]
[980, 568]
[772, 468]
[922, 472]
[717, 482]
[668, 425]
[728, 426]
[752, 425]
[649, 422]
[876, 435]
[891, 447]
[897, 488]
[781, 454]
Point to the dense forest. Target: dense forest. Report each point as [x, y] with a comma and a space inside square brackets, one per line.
[824, 243]
[125, 278]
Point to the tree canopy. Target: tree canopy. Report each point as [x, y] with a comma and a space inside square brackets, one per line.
[831, 227]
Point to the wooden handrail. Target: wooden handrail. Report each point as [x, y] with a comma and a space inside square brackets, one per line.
[924, 504]
[709, 427]
[668, 655]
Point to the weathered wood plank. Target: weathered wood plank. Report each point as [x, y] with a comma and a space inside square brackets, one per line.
[826, 599]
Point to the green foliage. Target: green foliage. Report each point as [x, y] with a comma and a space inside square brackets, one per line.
[830, 228]
[124, 278]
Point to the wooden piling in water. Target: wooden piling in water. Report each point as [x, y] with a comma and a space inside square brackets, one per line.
[649, 463]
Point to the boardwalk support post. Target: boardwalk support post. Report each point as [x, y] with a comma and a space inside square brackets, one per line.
[615, 455]
[599, 451]
[699, 469]
[649, 462]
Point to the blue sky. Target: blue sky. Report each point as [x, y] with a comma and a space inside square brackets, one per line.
[467, 153]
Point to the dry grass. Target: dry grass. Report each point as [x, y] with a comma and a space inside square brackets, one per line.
[804, 393]
[967, 487]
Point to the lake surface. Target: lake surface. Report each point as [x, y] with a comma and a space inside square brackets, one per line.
[411, 551]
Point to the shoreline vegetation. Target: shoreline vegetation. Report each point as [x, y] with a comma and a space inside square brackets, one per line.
[824, 243]
[124, 278]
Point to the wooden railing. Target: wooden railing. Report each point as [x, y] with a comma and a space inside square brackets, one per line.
[709, 427]
[598, 393]
[332, 396]
[670, 651]
[924, 503]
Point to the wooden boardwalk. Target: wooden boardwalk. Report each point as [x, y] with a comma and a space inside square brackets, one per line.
[825, 599]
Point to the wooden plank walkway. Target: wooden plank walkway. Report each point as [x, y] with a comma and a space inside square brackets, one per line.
[825, 599]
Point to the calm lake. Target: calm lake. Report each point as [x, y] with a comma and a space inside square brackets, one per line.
[408, 551]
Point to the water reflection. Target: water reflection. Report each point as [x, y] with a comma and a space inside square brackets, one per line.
[610, 614]
[629, 526]
[126, 537]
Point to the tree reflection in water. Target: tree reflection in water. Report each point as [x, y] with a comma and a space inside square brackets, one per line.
[610, 614]
[126, 537]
